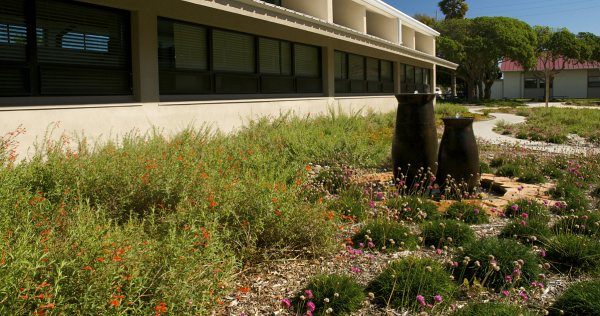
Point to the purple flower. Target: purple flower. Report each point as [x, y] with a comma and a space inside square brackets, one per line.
[477, 211]
[438, 298]
[309, 313]
[514, 207]
[493, 210]
[508, 279]
[505, 293]
[285, 303]
[308, 294]
[520, 188]
[523, 223]
[361, 244]
[459, 214]
[542, 252]
[310, 306]
[524, 296]
[421, 299]
[416, 184]
[502, 214]
[190, 302]
[370, 244]
[525, 215]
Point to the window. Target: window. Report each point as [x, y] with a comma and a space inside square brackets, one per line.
[543, 84]
[530, 83]
[74, 49]
[275, 2]
[418, 75]
[361, 74]
[414, 79]
[402, 73]
[426, 76]
[232, 62]
[594, 82]
[410, 74]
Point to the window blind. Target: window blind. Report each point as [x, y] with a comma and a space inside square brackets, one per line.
[13, 32]
[372, 69]
[190, 47]
[268, 56]
[418, 75]
[286, 58]
[233, 52]
[410, 74]
[426, 76]
[340, 65]
[386, 71]
[306, 60]
[356, 67]
[402, 73]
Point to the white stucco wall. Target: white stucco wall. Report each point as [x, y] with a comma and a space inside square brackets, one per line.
[382, 27]
[571, 83]
[350, 14]
[512, 84]
[497, 89]
[408, 36]
[425, 43]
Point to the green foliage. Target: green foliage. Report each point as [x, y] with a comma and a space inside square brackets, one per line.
[399, 285]
[495, 309]
[505, 252]
[413, 208]
[573, 253]
[534, 209]
[449, 109]
[572, 194]
[509, 170]
[349, 294]
[579, 299]
[454, 9]
[554, 124]
[348, 206]
[531, 177]
[468, 213]
[581, 222]
[447, 232]
[384, 233]
[497, 162]
[533, 232]
[485, 168]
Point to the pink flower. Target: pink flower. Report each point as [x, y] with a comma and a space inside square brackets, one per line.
[477, 211]
[524, 296]
[438, 298]
[308, 294]
[505, 293]
[508, 279]
[525, 215]
[439, 252]
[514, 207]
[421, 299]
[310, 306]
[493, 210]
[370, 244]
[285, 303]
[523, 223]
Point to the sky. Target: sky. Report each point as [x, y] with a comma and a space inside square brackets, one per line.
[575, 15]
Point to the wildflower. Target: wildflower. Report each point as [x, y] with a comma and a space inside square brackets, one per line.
[542, 252]
[329, 311]
[524, 296]
[370, 244]
[190, 302]
[336, 295]
[421, 299]
[114, 302]
[493, 210]
[525, 215]
[361, 244]
[310, 306]
[309, 294]
[514, 207]
[428, 268]
[371, 295]
[523, 223]
[517, 273]
[477, 210]
[439, 252]
[505, 293]
[438, 298]
[508, 279]
[326, 300]
[285, 303]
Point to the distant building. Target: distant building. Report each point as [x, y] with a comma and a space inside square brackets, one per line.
[576, 81]
[112, 65]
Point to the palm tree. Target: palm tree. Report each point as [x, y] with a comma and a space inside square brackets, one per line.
[454, 9]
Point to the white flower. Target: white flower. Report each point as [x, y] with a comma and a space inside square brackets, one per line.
[326, 300]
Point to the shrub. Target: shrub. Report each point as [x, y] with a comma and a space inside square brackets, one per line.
[509, 170]
[522, 135]
[403, 280]
[459, 232]
[572, 195]
[413, 208]
[579, 223]
[333, 180]
[531, 177]
[527, 231]
[349, 295]
[383, 233]
[447, 109]
[468, 213]
[497, 162]
[488, 309]
[579, 299]
[505, 253]
[573, 253]
[349, 207]
[533, 209]
[485, 168]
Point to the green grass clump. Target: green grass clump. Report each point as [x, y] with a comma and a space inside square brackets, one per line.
[527, 231]
[573, 253]
[489, 309]
[505, 252]
[384, 233]
[485, 168]
[531, 177]
[348, 299]
[511, 170]
[534, 209]
[497, 162]
[412, 208]
[580, 222]
[403, 280]
[448, 109]
[468, 213]
[579, 299]
[572, 194]
[453, 233]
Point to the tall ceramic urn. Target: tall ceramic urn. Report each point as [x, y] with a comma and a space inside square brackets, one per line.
[458, 157]
[415, 136]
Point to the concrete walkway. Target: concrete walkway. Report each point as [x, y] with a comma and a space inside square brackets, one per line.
[483, 129]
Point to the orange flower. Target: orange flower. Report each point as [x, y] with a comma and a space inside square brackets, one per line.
[86, 268]
[21, 296]
[39, 296]
[41, 312]
[245, 290]
[114, 302]
[119, 296]
[101, 259]
[127, 278]
[48, 306]
[117, 258]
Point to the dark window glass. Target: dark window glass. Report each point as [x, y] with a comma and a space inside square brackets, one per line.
[14, 70]
[386, 71]
[593, 82]
[426, 77]
[340, 65]
[356, 67]
[410, 74]
[372, 69]
[530, 83]
[233, 52]
[269, 56]
[402, 73]
[286, 58]
[275, 2]
[543, 84]
[418, 75]
[306, 60]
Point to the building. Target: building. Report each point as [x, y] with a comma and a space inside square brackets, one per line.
[576, 81]
[108, 66]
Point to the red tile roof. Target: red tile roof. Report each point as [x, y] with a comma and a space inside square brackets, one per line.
[508, 65]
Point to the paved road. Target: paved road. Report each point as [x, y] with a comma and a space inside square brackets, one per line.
[483, 129]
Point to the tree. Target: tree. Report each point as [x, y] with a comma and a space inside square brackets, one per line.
[479, 45]
[591, 47]
[555, 48]
[425, 19]
[454, 9]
